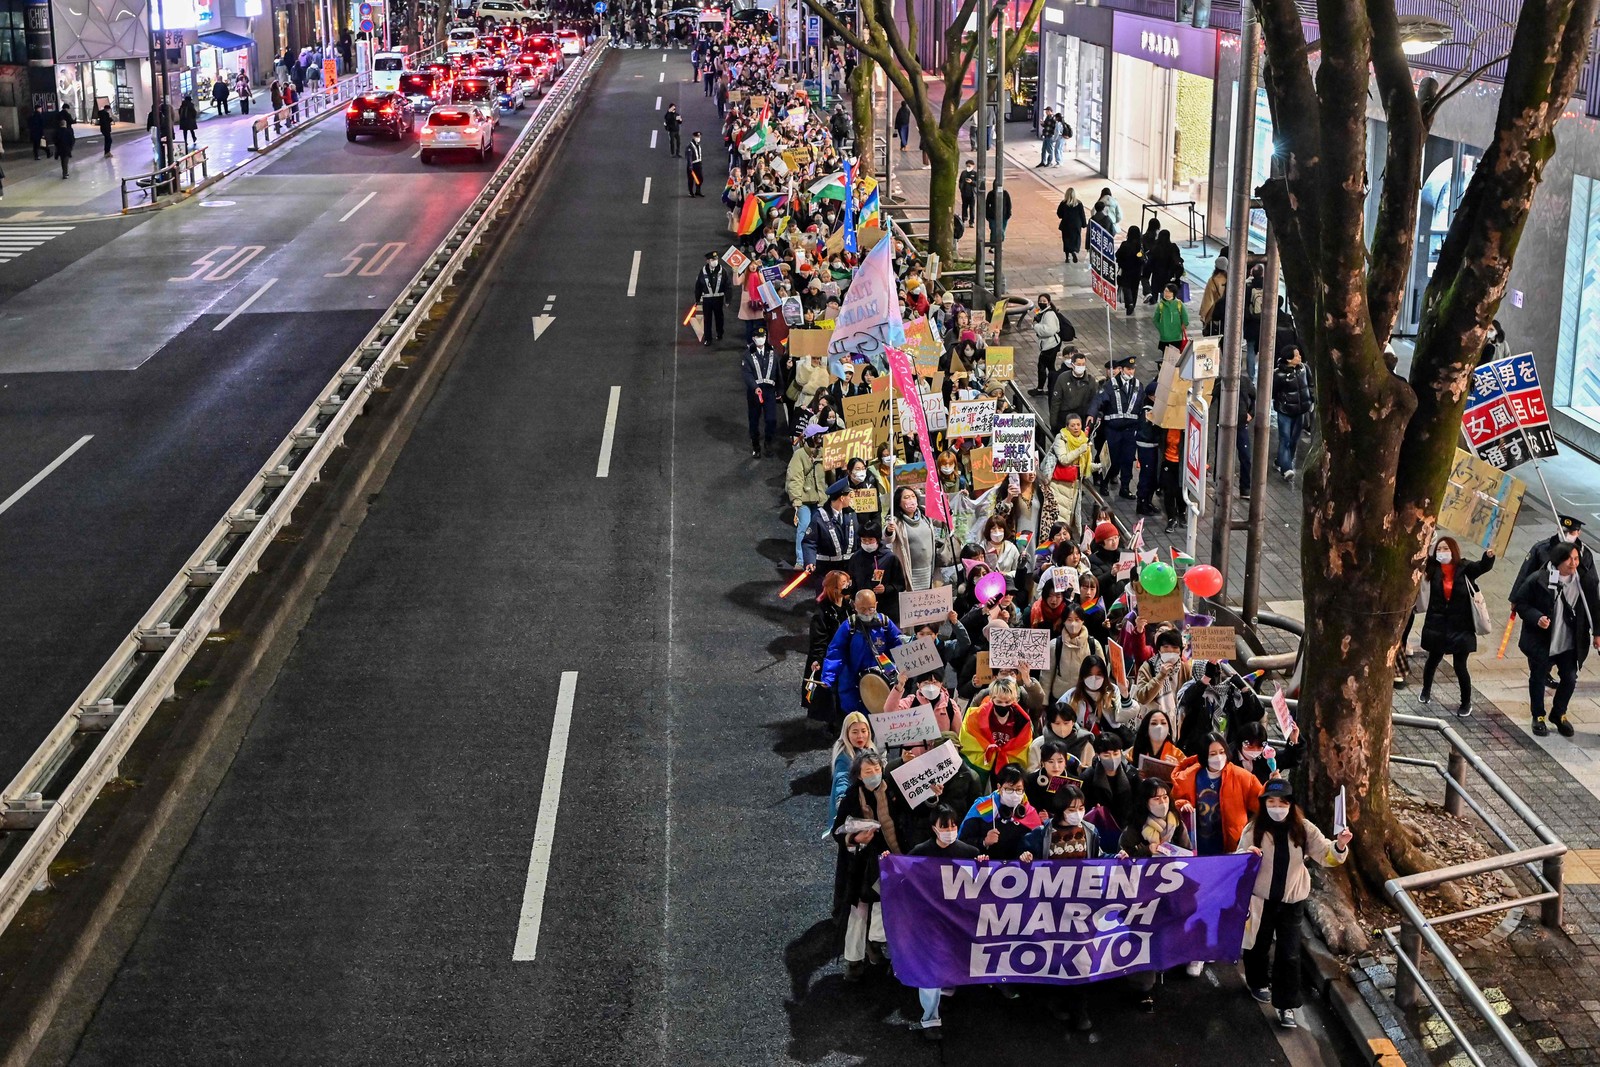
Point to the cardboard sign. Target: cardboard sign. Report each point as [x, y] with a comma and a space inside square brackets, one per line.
[997, 320]
[864, 500]
[913, 658]
[925, 607]
[1001, 361]
[841, 446]
[917, 777]
[1167, 608]
[981, 461]
[804, 343]
[1011, 647]
[1280, 708]
[932, 411]
[870, 409]
[981, 674]
[1172, 392]
[1117, 663]
[868, 238]
[971, 418]
[736, 260]
[1013, 444]
[1150, 767]
[891, 729]
[921, 345]
[911, 475]
[1212, 643]
[1480, 503]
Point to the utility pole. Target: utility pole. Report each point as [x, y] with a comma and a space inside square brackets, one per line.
[1002, 105]
[980, 125]
[1233, 318]
[1261, 436]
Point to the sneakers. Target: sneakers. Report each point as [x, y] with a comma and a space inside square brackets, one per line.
[1288, 475]
[1264, 995]
[1539, 728]
[1425, 696]
[1286, 1018]
[1564, 727]
[1464, 710]
[1194, 968]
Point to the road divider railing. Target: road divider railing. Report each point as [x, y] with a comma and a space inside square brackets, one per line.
[285, 122]
[87, 745]
[182, 176]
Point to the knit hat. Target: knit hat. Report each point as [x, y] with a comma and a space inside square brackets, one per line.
[1105, 531]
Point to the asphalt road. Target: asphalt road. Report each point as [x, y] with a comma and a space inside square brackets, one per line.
[358, 889]
[120, 331]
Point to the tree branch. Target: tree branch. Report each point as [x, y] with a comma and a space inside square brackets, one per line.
[1394, 237]
[832, 22]
[1454, 85]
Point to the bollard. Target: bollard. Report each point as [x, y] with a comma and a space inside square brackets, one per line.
[1405, 984]
[1550, 910]
[1457, 770]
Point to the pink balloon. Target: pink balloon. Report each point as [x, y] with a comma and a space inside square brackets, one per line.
[990, 586]
[1203, 580]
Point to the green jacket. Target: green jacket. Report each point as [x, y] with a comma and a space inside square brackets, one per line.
[805, 481]
[1172, 317]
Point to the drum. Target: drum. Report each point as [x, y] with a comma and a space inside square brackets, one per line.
[874, 687]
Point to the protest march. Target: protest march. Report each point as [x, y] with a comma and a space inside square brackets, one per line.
[1045, 770]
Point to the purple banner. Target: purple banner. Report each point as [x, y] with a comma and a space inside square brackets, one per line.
[960, 922]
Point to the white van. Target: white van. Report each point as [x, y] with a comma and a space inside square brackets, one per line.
[386, 70]
[503, 10]
[462, 39]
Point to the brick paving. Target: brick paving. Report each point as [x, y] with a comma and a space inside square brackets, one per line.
[1540, 981]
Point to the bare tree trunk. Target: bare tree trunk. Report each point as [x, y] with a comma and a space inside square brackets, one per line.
[861, 107]
[944, 159]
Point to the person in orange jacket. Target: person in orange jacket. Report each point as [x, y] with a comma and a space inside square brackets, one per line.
[1223, 795]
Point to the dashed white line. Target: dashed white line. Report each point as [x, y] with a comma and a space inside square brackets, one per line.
[603, 468]
[658, 103]
[417, 154]
[544, 830]
[633, 275]
[346, 216]
[646, 199]
[663, 76]
[653, 137]
[242, 308]
[5, 505]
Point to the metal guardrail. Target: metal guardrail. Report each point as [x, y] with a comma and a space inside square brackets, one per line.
[275, 126]
[106, 719]
[176, 177]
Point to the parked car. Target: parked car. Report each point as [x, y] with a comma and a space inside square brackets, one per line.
[456, 128]
[390, 114]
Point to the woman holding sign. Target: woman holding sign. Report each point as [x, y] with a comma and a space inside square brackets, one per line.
[1286, 842]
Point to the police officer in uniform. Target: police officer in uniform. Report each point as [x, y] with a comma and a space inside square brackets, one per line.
[760, 368]
[711, 289]
[673, 122]
[1117, 407]
[696, 156]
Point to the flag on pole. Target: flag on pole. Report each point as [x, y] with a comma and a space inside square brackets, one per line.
[828, 187]
[749, 216]
[850, 244]
[871, 211]
[759, 141]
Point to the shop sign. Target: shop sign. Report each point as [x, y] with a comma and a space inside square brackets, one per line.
[1166, 44]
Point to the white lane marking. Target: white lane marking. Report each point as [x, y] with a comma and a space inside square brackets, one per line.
[633, 275]
[5, 505]
[551, 298]
[663, 76]
[242, 308]
[17, 240]
[603, 469]
[663, 58]
[653, 137]
[417, 154]
[346, 216]
[544, 830]
[646, 199]
[658, 103]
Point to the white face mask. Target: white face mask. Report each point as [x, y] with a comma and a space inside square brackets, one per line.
[869, 546]
[946, 837]
[1011, 798]
[1277, 814]
[1169, 657]
[1077, 372]
[1074, 626]
[929, 692]
[1216, 763]
[997, 536]
[1074, 818]
[1573, 536]
[1444, 555]
[1252, 754]
[947, 471]
[1093, 683]
[1158, 732]
[858, 476]
[1159, 809]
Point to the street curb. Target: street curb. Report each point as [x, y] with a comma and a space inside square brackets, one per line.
[93, 919]
[1330, 980]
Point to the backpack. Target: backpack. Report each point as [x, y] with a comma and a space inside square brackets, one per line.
[1066, 129]
[960, 227]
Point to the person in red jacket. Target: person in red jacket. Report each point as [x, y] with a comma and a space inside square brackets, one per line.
[1223, 795]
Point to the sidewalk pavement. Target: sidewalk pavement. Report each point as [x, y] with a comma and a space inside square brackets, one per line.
[1540, 979]
[35, 191]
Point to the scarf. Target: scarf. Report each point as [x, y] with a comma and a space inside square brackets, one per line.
[880, 810]
[1071, 442]
[1157, 832]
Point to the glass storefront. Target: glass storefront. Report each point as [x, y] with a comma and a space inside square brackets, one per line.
[83, 88]
[1162, 143]
[1260, 166]
[1577, 377]
[1075, 86]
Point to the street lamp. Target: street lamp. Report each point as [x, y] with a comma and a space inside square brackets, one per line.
[1420, 34]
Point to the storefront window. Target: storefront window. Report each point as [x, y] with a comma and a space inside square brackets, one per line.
[1090, 104]
[1260, 163]
[1577, 379]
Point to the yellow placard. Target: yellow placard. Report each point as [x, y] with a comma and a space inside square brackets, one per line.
[841, 446]
[1001, 361]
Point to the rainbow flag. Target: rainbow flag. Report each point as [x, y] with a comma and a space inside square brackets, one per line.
[987, 807]
[871, 211]
[749, 216]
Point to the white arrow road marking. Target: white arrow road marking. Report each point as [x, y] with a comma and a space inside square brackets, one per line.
[541, 323]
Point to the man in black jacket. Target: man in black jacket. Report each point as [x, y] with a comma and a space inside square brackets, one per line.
[711, 290]
[674, 123]
[967, 184]
[1557, 614]
[760, 369]
[1073, 392]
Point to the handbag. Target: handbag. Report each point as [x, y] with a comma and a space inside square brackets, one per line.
[1065, 473]
[1183, 292]
[1481, 622]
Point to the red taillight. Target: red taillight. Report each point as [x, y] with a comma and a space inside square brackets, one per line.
[387, 109]
[352, 110]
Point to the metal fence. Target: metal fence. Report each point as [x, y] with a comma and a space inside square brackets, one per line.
[275, 126]
[97, 731]
[177, 177]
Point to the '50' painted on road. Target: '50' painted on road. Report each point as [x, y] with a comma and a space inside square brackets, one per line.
[208, 268]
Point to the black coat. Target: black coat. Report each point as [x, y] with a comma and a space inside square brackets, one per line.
[1072, 223]
[824, 624]
[857, 872]
[1534, 599]
[65, 138]
[1448, 626]
[1538, 558]
[1291, 390]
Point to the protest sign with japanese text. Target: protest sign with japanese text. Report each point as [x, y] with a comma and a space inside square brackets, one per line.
[1013, 647]
[1013, 444]
[925, 607]
[917, 777]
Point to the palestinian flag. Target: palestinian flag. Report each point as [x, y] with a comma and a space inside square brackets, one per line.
[828, 188]
[1181, 561]
[749, 216]
[759, 141]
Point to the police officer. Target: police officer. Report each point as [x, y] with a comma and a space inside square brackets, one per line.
[1117, 407]
[696, 156]
[711, 289]
[673, 122]
[760, 368]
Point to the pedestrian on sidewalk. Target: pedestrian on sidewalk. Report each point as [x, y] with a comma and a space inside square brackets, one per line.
[902, 125]
[220, 91]
[102, 119]
[189, 121]
[36, 133]
[674, 124]
[967, 185]
[1171, 317]
[1539, 554]
[1047, 132]
[1212, 302]
[1556, 608]
[242, 87]
[1072, 224]
[1292, 399]
[291, 100]
[1445, 604]
[1074, 390]
[1051, 328]
[1163, 264]
[64, 140]
[275, 97]
[1130, 266]
[1286, 842]
[997, 221]
[1109, 205]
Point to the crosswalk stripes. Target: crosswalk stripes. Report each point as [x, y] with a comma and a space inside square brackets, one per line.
[19, 238]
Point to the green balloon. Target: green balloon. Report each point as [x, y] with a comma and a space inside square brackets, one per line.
[1158, 579]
